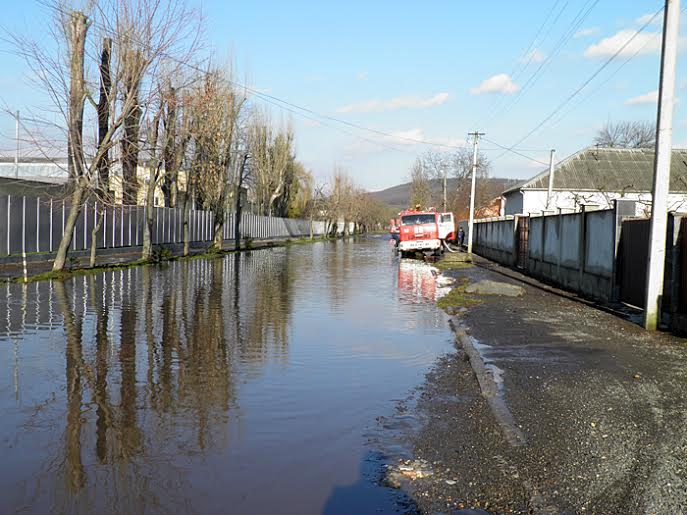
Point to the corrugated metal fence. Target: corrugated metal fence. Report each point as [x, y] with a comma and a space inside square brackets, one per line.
[36, 225]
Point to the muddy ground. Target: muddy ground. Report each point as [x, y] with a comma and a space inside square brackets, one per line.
[600, 403]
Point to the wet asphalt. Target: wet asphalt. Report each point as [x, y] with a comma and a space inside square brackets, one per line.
[601, 403]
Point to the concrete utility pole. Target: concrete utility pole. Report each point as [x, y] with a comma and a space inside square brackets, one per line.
[475, 138]
[551, 173]
[16, 150]
[444, 188]
[664, 135]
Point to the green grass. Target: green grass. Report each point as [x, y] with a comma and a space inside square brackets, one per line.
[457, 298]
[161, 255]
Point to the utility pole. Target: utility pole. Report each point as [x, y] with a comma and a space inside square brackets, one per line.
[551, 172]
[660, 190]
[16, 150]
[444, 188]
[475, 139]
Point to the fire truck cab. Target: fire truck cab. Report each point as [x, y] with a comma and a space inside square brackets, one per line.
[424, 230]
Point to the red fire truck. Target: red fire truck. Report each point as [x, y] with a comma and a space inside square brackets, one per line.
[424, 230]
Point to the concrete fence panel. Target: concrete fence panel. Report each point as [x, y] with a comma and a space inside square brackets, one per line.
[600, 243]
[570, 234]
[536, 240]
[551, 239]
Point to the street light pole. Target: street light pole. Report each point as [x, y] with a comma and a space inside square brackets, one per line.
[661, 186]
[475, 138]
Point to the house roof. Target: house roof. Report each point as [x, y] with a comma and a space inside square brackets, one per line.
[609, 169]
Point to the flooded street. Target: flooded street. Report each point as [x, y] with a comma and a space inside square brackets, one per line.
[246, 384]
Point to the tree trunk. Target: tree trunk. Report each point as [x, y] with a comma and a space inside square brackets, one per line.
[187, 209]
[147, 252]
[94, 236]
[104, 115]
[169, 180]
[70, 223]
[218, 234]
[133, 64]
[238, 213]
[78, 28]
[103, 110]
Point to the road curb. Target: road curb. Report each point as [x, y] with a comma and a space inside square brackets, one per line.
[490, 390]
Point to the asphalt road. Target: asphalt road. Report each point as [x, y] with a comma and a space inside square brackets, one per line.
[601, 406]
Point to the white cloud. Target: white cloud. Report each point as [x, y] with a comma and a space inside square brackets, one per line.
[641, 43]
[410, 139]
[403, 102]
[404, 137]
[583, 33]
[361, 76]
[643, 20]
[501, 83]
[535, 56]
[649, 98]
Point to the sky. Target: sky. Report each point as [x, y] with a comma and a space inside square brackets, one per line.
[431, 71]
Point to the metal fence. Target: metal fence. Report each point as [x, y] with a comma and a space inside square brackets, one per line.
[33, 224]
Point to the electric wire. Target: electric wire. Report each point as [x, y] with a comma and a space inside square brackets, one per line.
[570, 97]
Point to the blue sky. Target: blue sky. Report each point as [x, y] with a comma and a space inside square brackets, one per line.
[421, 70]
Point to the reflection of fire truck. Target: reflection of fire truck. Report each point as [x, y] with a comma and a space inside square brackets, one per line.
[417, 281]
[425, 230]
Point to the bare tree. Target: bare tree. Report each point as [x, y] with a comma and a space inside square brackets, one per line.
[420, 190]
[154, 167]
[271, 152]
[315, 207]
[145, 27]
[626, 134]
[215, 136]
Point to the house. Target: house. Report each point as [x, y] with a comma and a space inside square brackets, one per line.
[596, 177]
[48, 177]
[494, 208]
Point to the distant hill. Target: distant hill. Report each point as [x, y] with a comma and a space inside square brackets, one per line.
[398, 196]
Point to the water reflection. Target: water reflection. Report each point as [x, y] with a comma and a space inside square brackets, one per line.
[417, 281]
[185, 387]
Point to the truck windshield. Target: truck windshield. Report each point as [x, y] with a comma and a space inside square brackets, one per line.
[418, 219]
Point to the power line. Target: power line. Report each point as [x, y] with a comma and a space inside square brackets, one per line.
[520, 65]
[605, 81]
[513, 151]
[299, 110]
[575, 24]
[582, 86]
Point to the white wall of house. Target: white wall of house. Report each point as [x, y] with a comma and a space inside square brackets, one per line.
[534, 201]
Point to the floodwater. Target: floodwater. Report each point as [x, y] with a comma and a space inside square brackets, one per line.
[251, 383]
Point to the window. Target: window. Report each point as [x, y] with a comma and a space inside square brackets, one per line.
[446, 218]
[418, 219]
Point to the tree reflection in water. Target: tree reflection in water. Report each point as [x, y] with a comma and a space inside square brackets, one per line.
[150, 372]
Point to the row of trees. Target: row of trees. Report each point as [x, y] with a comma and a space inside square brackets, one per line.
[428, 186]
[122, 77]
[349, 204]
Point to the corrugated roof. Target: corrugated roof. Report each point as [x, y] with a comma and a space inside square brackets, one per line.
[609, 169]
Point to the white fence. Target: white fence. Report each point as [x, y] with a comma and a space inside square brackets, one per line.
[36, 225]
